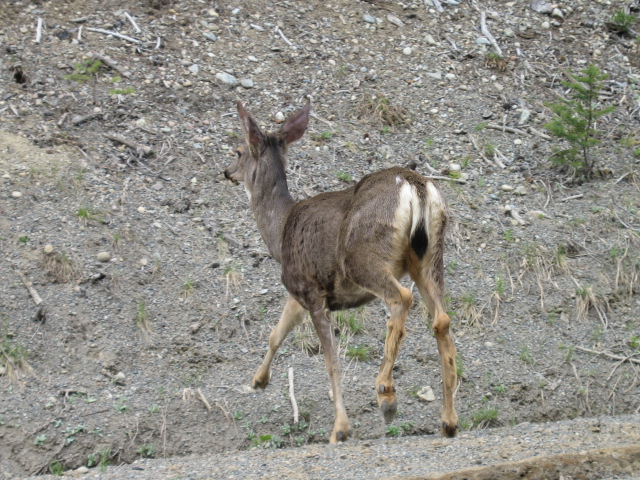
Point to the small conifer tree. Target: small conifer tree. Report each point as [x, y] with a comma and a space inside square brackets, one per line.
[575, 121]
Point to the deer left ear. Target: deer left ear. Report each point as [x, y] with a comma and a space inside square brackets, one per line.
[293, 129]
[249, 126]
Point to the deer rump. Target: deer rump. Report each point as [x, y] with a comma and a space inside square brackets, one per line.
[390, 221]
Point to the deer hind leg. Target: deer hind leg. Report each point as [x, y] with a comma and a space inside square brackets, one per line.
[324, 327]
[399, 300]
[292, 316]
[432, 293]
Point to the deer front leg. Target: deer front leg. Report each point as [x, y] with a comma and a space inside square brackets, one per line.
[292, 316]
[341, 426]
[399, 305]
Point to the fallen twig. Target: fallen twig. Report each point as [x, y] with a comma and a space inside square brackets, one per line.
[487, 33]
[436, 3]
[142, 150]
[612, 355]
[39, 31]
[538, 133]
[572, 197]
[451, 179]
[77, 120]
[111, 64]
[202, 398]
[504, 128]
[114, 34]
[293, 397]
[286, 40]
[133, 22]
[32, 291]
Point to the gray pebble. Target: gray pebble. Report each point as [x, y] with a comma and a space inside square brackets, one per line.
[246, 83]
[210, 36]
[369, 18]
[194, 68]
[103, 257]
[224, 77]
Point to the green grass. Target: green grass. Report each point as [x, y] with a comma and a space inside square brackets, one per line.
[483, 417]
[350, 321]
[360, 353]
[344, 177]
[146, 451]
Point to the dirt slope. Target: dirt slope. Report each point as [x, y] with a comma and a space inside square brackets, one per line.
[157, 292]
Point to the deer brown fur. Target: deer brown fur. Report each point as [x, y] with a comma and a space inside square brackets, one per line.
[339, 250]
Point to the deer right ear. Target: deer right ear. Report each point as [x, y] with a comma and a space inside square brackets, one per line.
[249, 126]
[296, 124]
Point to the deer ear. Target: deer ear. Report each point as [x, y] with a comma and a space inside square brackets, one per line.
[296, 124]
[249, 126]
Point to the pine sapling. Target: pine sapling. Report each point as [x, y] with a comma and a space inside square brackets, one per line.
[575, 121]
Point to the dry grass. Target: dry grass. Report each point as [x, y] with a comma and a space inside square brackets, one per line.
[305, 337]
[586, 300]
[380, 110]
[141, 320]
[59, 267]
[13, 360]
[470, 314]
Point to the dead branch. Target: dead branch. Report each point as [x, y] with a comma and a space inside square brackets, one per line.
[292, 396]
[436, 3]
[77, 120]
[537, 133]
[487, 33]
[32, 291]
[111, 64]
[438, 177]
[202, 398]
[133, 22]
[142, 150]
[572, 197]
[504, 128]
[39, 31]
[114, 34]
[629, 359]
[286, 40]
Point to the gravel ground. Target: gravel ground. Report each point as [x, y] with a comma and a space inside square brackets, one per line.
[158, 294]
[583, 448]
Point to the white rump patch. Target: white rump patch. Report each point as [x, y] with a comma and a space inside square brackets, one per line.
[433, 194]
[408, 212]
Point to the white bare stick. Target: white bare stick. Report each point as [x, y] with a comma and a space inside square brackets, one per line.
[451, 179]
[515, 215]
[80, 33]
[158, 43]
[114, 34]
[32, 291]
[610, 355]
[133, 22]
[286, 40]
[538, 133]
[203, 399]
[572, 197]
[292, 396]
[487, 33]
[436, 3]
[504, 128]
[39, 31]
[498, 157]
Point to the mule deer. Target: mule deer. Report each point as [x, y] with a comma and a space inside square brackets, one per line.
[340, 250]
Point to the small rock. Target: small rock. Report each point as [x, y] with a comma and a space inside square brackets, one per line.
[429, 39]
[194, 68]
[407, 50]
[426, 394]
[16, 194]
[517, 141]
[246, 83]
[279, 117]
[103, 256]
[508, 32]
[454, 167]
[144, 262]
[210, 36]
[248, 389]
[434, 75]
[157, 186]
[187, 83]
[557, 13]
[142, 209]
[520, 190]
[82, 470]
[253, 59]
[450, 76]
[483, 41]
[367, 17]
[545, 25]
[119, 377]
[48, 249]
[506, 188]
[224, 77]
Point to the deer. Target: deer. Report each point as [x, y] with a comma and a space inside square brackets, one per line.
[342, 249]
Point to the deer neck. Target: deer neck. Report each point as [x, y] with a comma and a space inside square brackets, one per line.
[271, 203]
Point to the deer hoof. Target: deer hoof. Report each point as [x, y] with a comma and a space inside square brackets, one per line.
[389, 410]
[341, 436]
[259, 383]
[449, 430]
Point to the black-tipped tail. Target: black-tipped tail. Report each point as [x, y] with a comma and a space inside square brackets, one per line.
[419, 240]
